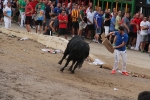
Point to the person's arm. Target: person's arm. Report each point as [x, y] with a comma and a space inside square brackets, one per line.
[125, 25]
[95, 20]
[143, 27]
[111, 33]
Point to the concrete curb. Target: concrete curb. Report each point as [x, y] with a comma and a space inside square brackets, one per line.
[49, 41]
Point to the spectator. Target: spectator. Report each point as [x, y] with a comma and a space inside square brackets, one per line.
[81, 22]
[7, 15]
[88, 9]
[33, 4]
[132, 36]
[75, 15]
[112, 25]
[144, 33]
[57, 11]
[63, 20]
[135, 25]
[126, 23]
[90, 22]
[52, 28]
[22, 5]
[64, 8]
[39, 18]
[149, 35]
[14, 8]
[42, 5]
[107, 22]
[118, 20]
[28, 14]
[114, 11]
[48, 14]
[145, 95]
[120, 49]
[136, 22]
[98, 19]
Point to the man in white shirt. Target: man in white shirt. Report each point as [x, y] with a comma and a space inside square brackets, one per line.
[144, 33]
[90, 22]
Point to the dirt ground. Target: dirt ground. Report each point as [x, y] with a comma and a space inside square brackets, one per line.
[27, 73]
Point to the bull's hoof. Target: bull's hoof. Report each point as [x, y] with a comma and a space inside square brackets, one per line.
[61, 69]
[60, 62]
[72, 72]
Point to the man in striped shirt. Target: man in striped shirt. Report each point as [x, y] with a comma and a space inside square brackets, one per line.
[75, 15]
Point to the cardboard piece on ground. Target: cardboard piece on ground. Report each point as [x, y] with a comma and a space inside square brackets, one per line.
[107, 44]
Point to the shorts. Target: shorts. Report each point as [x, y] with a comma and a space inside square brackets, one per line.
[133, 34]
[144, 38]
[38, 22]
[98, 30]
[82, 25]
[149, 38]
[28, 19]
[91, 27]
[62, 31]
[106, 30]
[75, 25]
[47, 22]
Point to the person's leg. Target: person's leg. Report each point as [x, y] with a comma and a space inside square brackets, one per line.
[41, 26]
[138, 41]
[65, 33]
[149, 48]
[124, 60]
[116, 57]
[27, 22]
[6, 23]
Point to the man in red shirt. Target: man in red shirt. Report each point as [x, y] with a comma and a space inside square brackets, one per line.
[28, 14]
[63, 20]
[136, 30]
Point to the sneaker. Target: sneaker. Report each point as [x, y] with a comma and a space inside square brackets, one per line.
[94, 40]
[113, 71]
[142, 51]
[136, 49]
[132, 48]
[125, 73]
[33, 27]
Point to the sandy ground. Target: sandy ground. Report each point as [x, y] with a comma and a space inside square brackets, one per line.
[27, 73]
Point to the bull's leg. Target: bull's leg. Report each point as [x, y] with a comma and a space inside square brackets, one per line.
[75, 67]
[68, 60]
[65, 54]
[70, 69]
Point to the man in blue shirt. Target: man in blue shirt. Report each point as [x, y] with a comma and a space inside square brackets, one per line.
[120, 49]
[98, 20]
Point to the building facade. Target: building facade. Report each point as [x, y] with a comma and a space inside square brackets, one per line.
[120, 5]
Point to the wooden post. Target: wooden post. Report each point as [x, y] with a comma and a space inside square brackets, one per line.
[107, 5]
[116, 6]
[126, 7]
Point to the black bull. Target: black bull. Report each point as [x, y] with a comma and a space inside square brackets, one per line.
[78, 51]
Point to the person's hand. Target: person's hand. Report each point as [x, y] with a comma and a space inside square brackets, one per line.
[27, 12]
[114, 47]
[128, 31]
